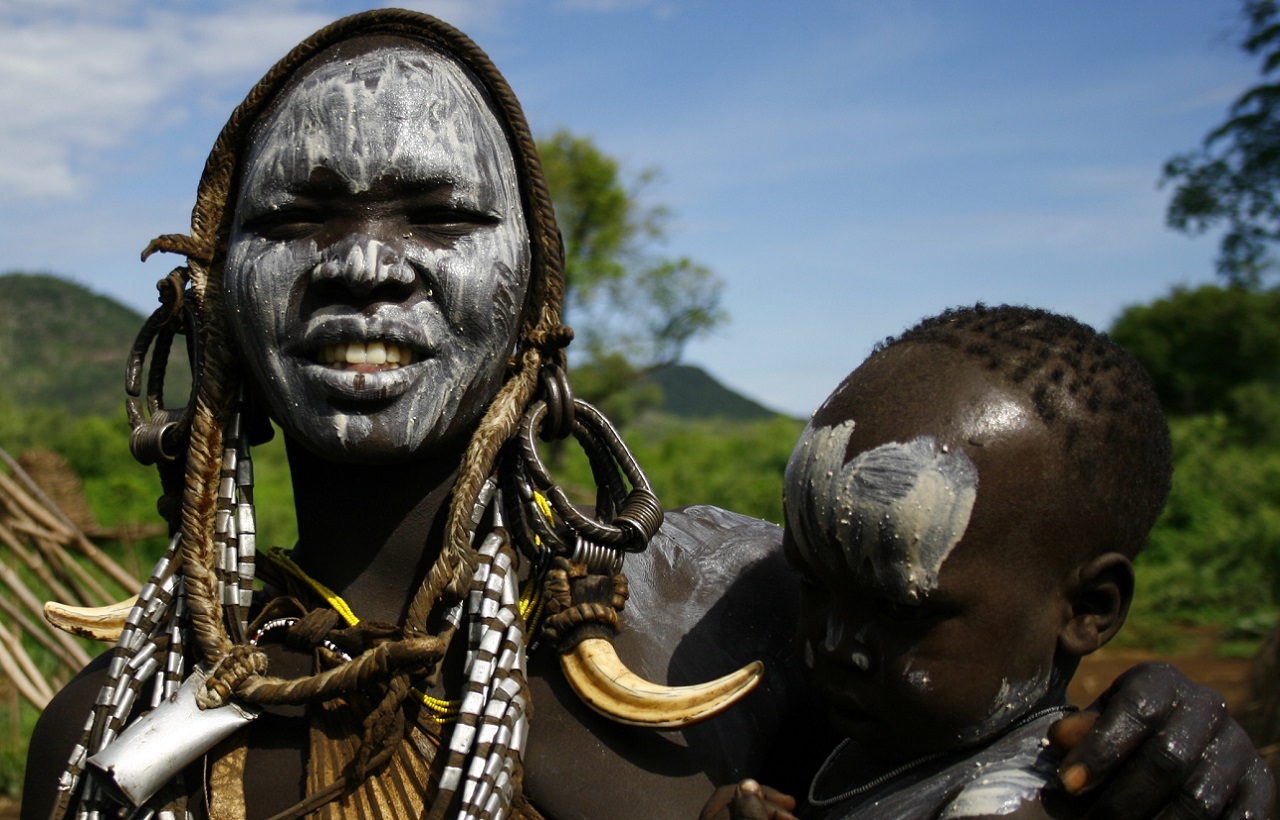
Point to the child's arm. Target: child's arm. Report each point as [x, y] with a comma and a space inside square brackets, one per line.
[748, 800]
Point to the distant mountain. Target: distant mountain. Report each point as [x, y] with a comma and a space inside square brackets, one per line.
[689, 392]
[62, 345]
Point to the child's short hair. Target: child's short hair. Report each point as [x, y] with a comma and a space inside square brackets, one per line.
[1092, 392]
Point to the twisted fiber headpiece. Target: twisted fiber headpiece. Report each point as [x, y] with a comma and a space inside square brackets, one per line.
[541, 340]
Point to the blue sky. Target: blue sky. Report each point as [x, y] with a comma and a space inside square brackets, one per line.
[846, 166]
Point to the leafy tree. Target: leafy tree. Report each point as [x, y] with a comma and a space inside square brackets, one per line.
[633, 309]
[1232, 180]
[1203, 346]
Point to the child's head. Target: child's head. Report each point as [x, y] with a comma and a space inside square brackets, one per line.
[964, 508]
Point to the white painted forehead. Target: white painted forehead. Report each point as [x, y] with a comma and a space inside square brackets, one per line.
[892, 513]
[391, 106]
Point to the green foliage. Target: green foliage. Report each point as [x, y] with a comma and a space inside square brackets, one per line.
[1203, 345]
[732, 464]
[63, 346]
[1214, 356]
[1214, 555]
[16, 724]
[616, 386]
[688, 392]
[1232, 179]
[599, 214]
[623, 299]
[273, 495]
[121, 492]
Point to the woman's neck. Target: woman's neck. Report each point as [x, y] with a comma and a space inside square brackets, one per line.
[370, 532]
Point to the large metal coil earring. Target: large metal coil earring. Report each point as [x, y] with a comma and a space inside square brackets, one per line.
[625, 518]
[587, 589]
[160, 433]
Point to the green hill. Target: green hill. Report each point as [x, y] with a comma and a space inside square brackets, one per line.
[689, 392]
[62, 345]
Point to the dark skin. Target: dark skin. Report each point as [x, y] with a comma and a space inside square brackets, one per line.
[371, 527]
[1024, 558]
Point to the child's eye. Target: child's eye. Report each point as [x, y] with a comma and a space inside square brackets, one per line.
[810, 584]
[904, 613]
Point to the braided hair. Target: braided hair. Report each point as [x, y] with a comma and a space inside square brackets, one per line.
[1090, 391]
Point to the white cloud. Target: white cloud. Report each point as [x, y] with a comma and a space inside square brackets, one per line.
[82, 77]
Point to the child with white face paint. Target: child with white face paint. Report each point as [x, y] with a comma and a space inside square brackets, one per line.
[963, 510]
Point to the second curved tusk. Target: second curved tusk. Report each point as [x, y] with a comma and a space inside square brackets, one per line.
[604, 683]
[99, 623]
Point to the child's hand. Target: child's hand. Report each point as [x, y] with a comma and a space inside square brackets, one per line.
[748, 801]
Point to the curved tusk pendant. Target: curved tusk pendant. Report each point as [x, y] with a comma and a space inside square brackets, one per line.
[604, 683]
[98, 623]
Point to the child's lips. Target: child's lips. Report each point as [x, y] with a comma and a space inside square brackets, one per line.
[848, 709]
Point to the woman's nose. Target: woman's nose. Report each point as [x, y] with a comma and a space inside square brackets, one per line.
[362, 264]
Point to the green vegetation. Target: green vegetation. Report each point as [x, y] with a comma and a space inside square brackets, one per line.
[1233, 180]
[63, 346]
[1214, 555]
[633, 309]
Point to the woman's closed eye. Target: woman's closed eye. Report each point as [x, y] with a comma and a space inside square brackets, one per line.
[450, 223]
[284, 224]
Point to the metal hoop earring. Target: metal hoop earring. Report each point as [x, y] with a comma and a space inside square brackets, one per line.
[159, 432]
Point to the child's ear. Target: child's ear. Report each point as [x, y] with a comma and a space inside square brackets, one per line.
[1100, 592]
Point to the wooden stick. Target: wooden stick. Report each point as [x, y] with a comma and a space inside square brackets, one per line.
[56, 588]
[130, 585]
[20, 519]
[76, 575]
[14, 644]
[75, 661]
[34, 689]
[33, 605]
[51, 517]
[32, 508]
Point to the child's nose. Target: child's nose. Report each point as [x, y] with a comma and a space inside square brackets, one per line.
[846, 643]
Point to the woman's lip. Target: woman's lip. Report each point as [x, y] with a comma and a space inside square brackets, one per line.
[364, 383]
[343, 330]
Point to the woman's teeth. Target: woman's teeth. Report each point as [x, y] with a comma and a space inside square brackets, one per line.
[389, 354]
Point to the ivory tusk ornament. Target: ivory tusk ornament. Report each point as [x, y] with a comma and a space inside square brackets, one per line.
[99, 623]
[604, 683]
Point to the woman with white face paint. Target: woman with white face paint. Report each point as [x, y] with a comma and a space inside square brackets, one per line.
[374, 262]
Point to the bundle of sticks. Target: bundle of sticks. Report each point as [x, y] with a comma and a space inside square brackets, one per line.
[45, 556]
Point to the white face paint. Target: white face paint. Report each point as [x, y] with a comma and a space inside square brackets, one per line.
[1013, 700]
[379, 256]
[895, 511]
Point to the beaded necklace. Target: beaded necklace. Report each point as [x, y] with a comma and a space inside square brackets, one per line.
[445, 710]
[909, 766]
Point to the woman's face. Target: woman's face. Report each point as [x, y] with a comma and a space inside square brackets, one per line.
[379, 256]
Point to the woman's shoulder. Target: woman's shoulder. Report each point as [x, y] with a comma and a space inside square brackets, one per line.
[60, 728]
